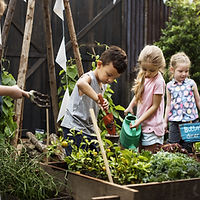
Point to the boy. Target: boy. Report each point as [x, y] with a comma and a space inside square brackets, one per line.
[112, 63]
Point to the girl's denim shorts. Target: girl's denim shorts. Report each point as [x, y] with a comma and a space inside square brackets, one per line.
[148, 139]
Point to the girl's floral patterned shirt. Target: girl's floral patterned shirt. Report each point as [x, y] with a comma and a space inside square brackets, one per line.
[183, 105]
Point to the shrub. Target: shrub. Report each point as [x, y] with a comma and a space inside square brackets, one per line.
[182, 34]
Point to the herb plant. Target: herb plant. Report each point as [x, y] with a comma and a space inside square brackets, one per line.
[23, 177]
[167, 166]
[128, 166]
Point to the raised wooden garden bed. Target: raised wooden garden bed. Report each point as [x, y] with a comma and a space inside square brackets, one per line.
[82, 187]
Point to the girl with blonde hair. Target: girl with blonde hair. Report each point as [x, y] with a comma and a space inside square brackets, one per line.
[182, 99]
[149, 90]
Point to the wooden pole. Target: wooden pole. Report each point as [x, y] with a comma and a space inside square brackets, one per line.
[7, 22]
[72, 34]
[47, 127]
[51, 63]
[96, 128]
[23, 66]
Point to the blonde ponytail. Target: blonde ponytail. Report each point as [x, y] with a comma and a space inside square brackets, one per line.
[138, 87]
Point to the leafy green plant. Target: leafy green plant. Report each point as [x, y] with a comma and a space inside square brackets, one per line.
[23, 177]
[196, 146]
[7, 124]
[182, 34]
[167, 166]
[128, 166]
[55, 147]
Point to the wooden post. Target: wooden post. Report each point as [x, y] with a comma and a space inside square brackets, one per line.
[73, 37]
[51, 63]
[23, 66]
[7, 22]
[103, 153]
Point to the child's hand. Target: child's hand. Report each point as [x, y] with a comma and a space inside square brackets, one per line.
[17, 92]
[128, 110]
[103, 103]
[135, 125]
[166, 127]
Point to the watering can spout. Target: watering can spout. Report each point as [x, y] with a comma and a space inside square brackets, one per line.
[130, 137]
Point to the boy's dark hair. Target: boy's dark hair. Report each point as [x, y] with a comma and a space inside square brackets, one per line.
[117, 56]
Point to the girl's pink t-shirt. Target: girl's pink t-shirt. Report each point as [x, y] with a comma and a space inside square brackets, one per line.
[154, 123]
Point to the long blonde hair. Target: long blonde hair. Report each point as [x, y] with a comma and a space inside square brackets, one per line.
[150, 54]
[2, 7]
[178, 58]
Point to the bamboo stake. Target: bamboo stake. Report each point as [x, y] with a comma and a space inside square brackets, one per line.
[47, 121]
[72, 34]
[51, 63]
[23, 67]
[96, 128]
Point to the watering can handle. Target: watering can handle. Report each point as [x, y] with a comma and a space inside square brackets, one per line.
[101, 102]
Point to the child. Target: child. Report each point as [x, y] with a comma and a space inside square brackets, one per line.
[13, 91]
[149, 90]
[182, 99]
[112, 63]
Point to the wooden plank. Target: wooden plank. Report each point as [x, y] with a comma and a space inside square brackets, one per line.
[169, 190]
[73, 37]
[23, 67]
[114, 197]
[83, 187]
[51, 63]
[95, 20]
[33, 43]
[34, 67]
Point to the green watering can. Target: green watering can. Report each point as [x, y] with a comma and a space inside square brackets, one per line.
[130, 137]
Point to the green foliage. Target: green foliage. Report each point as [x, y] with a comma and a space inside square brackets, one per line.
[197, 147]
[128, 166]
[182, 34]
[23, 177]
[7, 124]
[172, 166]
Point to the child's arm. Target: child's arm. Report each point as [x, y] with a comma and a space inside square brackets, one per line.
[196, 95]
[84, 88]
[156, 103]
[167, 109]
[13, 91]
[130, 107]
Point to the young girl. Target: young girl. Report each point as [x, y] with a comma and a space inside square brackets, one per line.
[182, 99]
[149, 90]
